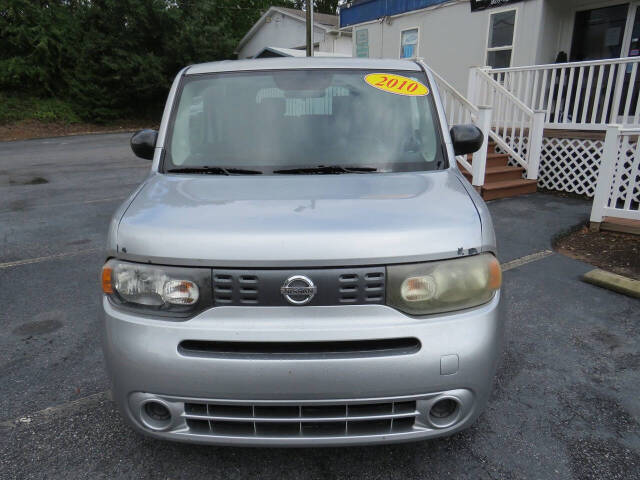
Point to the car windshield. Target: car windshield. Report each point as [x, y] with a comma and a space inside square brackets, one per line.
[304, 122]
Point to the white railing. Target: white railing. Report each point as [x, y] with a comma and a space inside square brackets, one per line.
[578, 95]
[618, 189]
[459, 110]
[515, 128]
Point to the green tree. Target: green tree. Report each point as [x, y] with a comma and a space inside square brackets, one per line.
[327, 6]
[120, 66]
[210, 30]
[35, 36]
[115, 58]
[320, 6]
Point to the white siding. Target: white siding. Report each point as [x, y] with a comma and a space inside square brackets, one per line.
[452, 38]
[282, 31]
[336, 43]
[555, 15]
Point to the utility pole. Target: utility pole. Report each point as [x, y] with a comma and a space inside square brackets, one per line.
[309, 28]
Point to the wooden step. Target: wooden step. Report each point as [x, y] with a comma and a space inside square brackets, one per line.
[498, 174]
[493, 159]
[508, 188]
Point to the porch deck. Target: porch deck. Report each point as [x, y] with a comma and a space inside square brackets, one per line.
[575, 133]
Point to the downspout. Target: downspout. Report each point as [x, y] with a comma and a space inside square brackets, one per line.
[382, 36]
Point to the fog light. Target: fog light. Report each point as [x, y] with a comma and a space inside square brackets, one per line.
[155, 415]
[444, 408]
[157, 411]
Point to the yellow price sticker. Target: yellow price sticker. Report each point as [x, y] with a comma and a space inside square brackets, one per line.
[397, 84]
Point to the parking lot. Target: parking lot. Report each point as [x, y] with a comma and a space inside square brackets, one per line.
[566, 400]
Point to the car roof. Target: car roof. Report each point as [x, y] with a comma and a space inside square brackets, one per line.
[286, 63]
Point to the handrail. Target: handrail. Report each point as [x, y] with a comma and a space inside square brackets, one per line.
[515, 128]
[451, 89]
[587, 63]
[578, 95]
[500, 87]
[460, 110]
[630, 131]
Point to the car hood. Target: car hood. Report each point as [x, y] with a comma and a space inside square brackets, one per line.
[299, 220]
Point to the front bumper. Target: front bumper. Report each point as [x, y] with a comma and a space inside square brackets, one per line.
[145, 364]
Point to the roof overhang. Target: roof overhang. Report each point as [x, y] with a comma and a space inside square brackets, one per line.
[262, 20]
[294, 52]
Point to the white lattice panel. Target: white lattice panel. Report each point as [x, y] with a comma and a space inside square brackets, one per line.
[626, 177]
[570, 165]
[520, 147]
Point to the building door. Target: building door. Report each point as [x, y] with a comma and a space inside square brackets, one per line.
[610, 32]
[632, 42]
[599, 33]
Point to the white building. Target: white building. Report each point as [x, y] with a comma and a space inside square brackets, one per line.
[453, 35]
[285, 28]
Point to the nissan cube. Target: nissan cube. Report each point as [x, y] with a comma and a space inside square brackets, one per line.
[305, 265]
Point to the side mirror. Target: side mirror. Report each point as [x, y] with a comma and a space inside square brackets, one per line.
[143, 143]
[466, 139]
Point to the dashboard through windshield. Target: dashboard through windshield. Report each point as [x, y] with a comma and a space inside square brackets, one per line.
[304, 122]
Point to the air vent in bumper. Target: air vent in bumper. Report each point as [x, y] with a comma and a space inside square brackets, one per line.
[302, 350]
[286, 421]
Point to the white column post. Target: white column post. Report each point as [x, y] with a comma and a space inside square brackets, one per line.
[605, 172]
[479, 164]
[471, 85]
[535, 144]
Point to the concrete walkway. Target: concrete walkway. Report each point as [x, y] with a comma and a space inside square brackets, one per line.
[528, 223]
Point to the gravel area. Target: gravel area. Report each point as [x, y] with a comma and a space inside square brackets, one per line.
[612, 251]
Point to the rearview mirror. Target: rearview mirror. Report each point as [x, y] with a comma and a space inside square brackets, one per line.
[143, 143]
[466, 139]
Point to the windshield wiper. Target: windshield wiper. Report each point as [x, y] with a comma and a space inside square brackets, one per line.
[327, 170]
[215, 170]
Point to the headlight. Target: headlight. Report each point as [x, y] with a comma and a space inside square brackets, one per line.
[444, 286]
[157, 288]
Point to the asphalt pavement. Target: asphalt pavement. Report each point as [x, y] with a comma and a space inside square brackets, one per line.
[565, 401]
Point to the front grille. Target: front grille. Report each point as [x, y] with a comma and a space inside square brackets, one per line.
[256, 420]
[235, 289]
[335, 286]
[365, 288]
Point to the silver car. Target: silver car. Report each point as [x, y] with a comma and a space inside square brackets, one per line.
[305, 264]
